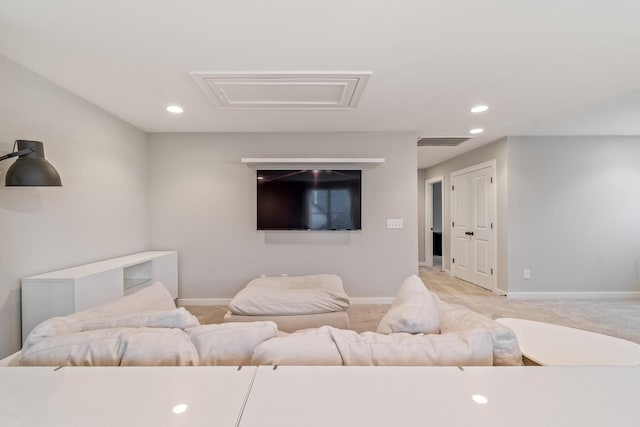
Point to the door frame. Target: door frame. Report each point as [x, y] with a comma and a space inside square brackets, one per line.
[428, 218]
[494, 190]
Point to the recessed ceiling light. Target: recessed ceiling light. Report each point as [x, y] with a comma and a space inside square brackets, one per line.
[476, 130]
[175, 109]
[479, 109]
[179, 409]
[478, 398]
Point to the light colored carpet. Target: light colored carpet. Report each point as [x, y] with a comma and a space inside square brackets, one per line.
[362, 318]
[618, 317]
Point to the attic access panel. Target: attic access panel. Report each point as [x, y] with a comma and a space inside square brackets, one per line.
[282, 90]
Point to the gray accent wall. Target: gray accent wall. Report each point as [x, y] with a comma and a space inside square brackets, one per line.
[101, 210]
[203, 203]
[574, 214]
[496, 150]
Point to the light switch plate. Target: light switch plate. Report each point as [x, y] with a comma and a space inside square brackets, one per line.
[395, 223]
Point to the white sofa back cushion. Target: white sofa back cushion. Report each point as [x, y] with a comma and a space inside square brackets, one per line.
[230, 343]
[177, 318]
[414, 310]
[307, 347]
[114, 347]
[153, 298]
[465, 348]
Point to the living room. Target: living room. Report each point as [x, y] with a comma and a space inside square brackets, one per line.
[92, 82]
[189, 191]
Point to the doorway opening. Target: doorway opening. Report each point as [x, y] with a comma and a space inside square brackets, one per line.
[434, 214]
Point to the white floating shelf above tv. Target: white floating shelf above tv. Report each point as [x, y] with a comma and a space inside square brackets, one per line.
[313, 160]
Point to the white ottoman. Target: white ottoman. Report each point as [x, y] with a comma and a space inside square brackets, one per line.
[293, 302]
[548, 344]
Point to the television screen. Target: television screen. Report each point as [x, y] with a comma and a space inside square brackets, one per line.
[308, 199]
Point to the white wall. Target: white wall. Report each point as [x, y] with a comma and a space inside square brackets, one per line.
[101, 210]
[496, 150]
[574, 214]
[203, 203]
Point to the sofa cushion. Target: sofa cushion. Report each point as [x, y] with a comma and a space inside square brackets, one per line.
[114, 347]
[177, 318]
[465, 348]
[306, 347]
[152, 298]
[230, 343]
[413, 310]
[291, 295]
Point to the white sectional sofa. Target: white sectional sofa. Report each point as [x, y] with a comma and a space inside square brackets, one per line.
[145, 328]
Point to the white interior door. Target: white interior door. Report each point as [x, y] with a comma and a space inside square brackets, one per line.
[473, 231]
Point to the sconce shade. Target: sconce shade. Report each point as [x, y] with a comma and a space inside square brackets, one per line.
[31, 169]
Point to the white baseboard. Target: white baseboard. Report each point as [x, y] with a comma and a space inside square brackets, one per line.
[571, 295]
[423, 264]
[225, 301]
[203, 301]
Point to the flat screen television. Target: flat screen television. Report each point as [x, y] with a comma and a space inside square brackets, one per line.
[309, 199]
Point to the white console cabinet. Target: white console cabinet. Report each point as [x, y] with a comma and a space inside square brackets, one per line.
[63, 292]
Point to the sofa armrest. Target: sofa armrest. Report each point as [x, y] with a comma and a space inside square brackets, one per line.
[454, 318]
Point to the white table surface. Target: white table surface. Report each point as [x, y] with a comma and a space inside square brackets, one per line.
[122, 396]
[549, 344]
[320, 396]
[442, 396]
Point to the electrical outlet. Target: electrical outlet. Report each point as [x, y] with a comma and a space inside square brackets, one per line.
[526, 274]
[395, 223]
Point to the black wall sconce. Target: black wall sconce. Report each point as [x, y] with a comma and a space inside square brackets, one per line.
[30, 169]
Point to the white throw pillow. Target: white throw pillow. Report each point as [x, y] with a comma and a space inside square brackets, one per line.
[230, 343]
[177, 318]
[414, 310]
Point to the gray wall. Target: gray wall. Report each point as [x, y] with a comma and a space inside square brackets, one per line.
[496, 150]
[203, 203]
[574, 214]
[101, 210]
[422, 173]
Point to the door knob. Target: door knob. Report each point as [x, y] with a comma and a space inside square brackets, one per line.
[469, 233]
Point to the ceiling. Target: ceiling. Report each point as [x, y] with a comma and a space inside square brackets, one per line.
[543, 67]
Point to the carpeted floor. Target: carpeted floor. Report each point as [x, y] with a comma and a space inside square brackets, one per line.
[618, 317]
[362, 317]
